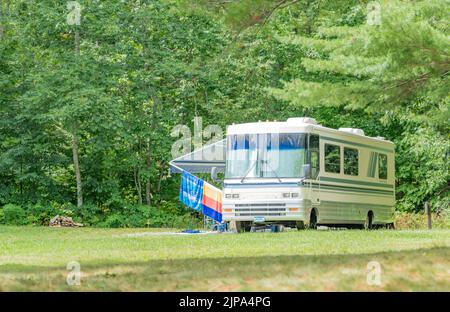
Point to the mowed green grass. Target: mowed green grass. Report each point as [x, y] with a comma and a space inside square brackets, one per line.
[35, 258]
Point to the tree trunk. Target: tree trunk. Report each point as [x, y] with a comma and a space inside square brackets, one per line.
[158, 189]
[75, 151]
[149, 158]
[161, 175]
[148, 191]
[137, 183]
[76, 166]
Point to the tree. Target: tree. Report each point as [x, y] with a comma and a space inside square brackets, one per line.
[396, 63]
[399, 66]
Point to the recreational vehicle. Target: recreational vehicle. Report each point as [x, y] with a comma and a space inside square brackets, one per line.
[302, 174]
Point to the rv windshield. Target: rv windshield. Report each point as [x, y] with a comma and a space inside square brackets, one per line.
[272, 155]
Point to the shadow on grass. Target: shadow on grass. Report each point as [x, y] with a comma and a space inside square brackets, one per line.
[236, 267]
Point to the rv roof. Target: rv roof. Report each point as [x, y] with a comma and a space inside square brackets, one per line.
[268, 127]
[297, 127]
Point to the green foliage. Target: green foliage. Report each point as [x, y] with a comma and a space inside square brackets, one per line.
[400, 64]
[114, 221]
[39, 214]
[143, 216]
[146, 66]
[134, 79]
[14, 215]
[424, 173]
[167, 215]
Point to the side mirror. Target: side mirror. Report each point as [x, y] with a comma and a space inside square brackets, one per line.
[307, 170]
[214, 174]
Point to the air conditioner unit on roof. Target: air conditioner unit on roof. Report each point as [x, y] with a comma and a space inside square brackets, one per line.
[352, 130]
[307, 120]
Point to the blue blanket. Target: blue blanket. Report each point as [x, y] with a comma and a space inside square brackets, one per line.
[191, 191]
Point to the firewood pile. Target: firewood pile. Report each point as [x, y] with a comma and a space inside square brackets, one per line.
[62, 221]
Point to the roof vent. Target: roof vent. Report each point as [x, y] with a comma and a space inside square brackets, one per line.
[307, 120]
[352, 130]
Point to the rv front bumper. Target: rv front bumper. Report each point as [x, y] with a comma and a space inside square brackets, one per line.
[265, 211]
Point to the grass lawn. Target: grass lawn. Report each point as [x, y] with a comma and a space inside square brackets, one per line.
[35, 258]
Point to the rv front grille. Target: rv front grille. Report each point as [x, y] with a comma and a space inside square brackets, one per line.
[252, 214]
[261, 205]
[261, 209]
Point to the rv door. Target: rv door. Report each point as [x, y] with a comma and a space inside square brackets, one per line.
[314, 162]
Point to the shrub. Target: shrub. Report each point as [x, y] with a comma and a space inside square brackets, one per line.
[414, 221]
[88, 214]
[40, 214]
[14, 215]
[171, 215]
[135, 220]
[113, 221]
[144, 216]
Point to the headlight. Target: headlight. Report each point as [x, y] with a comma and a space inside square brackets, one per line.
[227, 195]
[235, 195]
[286, 195]
[294, 195]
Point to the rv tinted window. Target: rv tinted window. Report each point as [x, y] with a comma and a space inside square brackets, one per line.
[313, 141]
[382, 166]
[350, 161]
[314, 164]
[332, 158]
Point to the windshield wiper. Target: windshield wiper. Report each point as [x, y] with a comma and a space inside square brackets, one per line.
[262, 162]
[270, 167]
[248, 171]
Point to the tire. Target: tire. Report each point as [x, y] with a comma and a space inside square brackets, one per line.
[300, 225]
[243, 226]
[390, 226]
[368, 224]
[313, 220]
[239, 227]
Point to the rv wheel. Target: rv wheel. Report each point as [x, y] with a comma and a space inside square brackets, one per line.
[239, 227]
[300, 225]
[368, 225]
[242, 226]
[313, 220]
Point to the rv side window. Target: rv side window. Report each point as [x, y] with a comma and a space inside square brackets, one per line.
[332, 158]
[313, 141]
[382, 166]
[350, 161]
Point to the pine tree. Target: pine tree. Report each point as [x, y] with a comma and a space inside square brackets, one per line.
[397, 61]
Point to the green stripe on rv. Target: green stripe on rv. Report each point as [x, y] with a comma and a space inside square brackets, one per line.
[350, 204]
[338, 180]
[355, 190]
[352, 189]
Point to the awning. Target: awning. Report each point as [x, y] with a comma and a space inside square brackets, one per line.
[201, 160]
